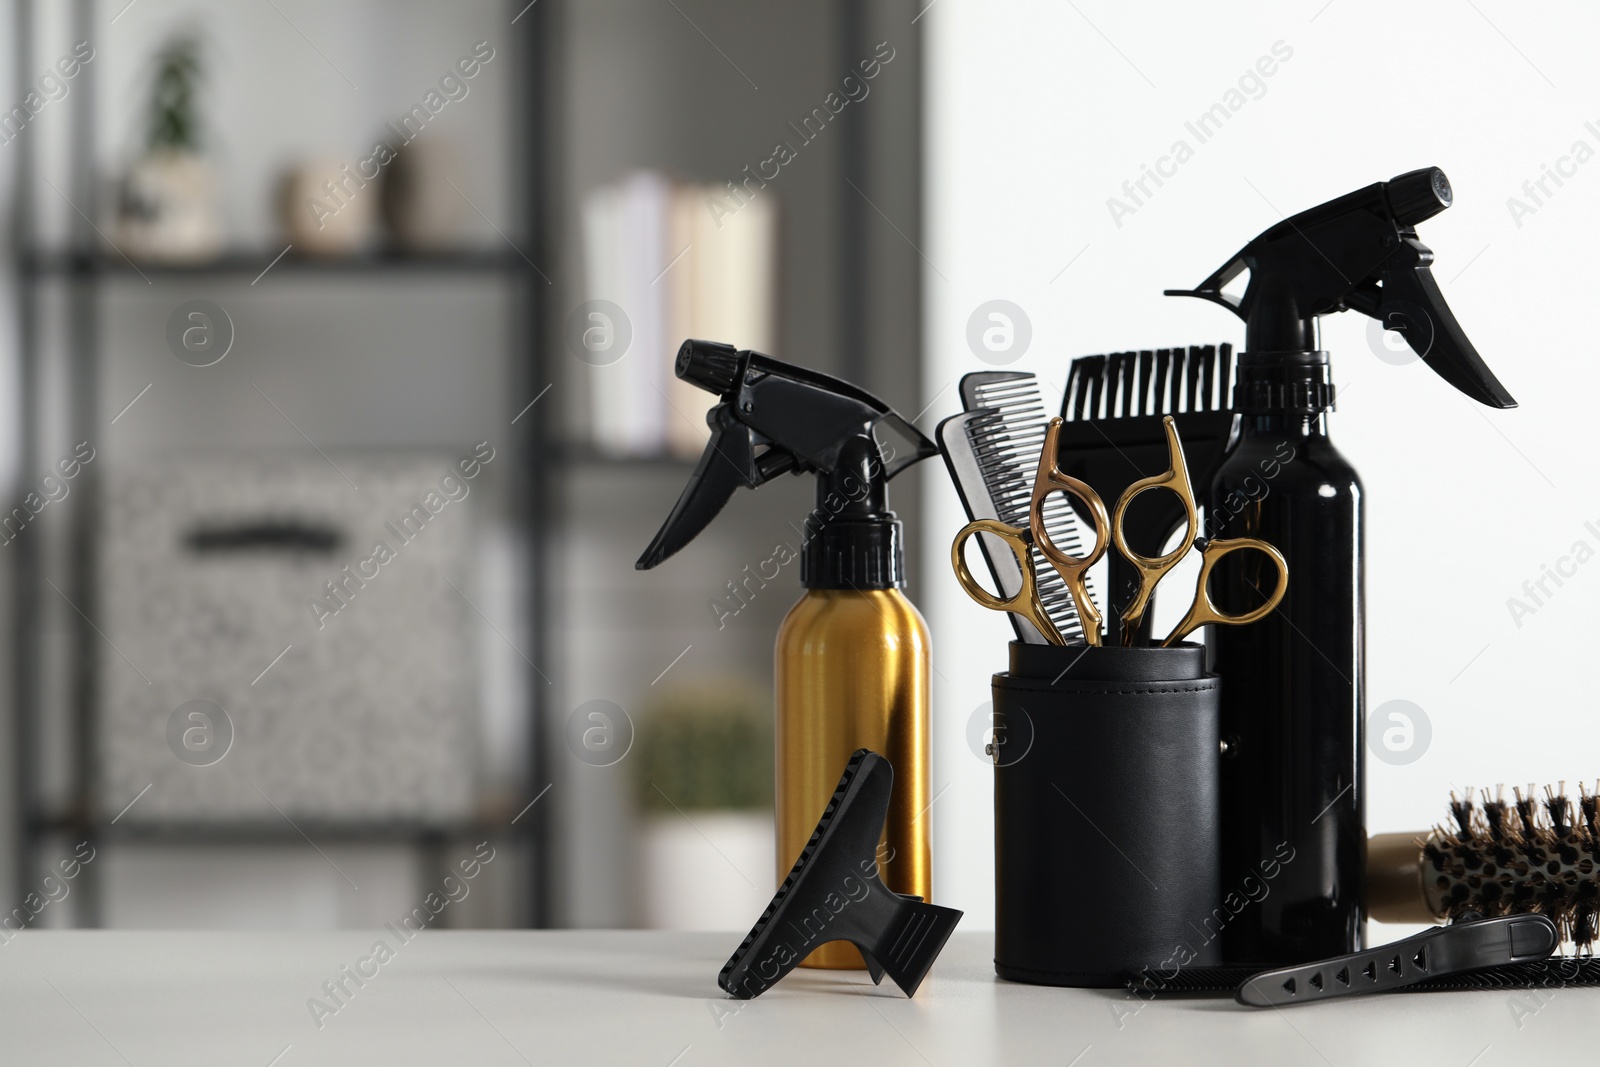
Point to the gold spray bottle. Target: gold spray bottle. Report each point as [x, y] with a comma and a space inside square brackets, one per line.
[852, 655]
[852, 672]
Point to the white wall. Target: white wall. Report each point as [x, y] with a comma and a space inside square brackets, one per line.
[1038, 112]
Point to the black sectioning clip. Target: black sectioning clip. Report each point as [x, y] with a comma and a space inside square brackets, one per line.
[833, 893]
[1465, 946]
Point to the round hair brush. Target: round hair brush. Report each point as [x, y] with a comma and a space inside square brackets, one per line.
[1496, 857]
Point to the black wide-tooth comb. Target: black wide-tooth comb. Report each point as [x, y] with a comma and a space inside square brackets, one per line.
[1113, 436]
[833, 893]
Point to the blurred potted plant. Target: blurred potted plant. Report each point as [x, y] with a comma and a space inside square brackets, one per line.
[167, 202]
[704, 782]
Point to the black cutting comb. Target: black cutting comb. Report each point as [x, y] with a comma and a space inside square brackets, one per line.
[1113, 436]
[833, 893]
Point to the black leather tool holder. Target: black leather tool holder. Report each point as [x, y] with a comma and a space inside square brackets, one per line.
[1106, 815]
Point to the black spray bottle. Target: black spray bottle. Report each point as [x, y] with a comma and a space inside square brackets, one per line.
[1293, 686]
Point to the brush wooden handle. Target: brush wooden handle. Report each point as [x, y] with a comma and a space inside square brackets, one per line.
[1396, 892]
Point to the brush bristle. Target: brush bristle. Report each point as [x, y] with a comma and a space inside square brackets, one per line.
[1163, 381]
[1526, 855]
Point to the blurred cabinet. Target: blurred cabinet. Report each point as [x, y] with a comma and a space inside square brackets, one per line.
[164, 596]
[207, 564]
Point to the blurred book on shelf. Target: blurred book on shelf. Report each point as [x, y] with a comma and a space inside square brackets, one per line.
[681, 260]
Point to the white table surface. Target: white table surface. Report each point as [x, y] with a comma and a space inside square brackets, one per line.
[625, 997]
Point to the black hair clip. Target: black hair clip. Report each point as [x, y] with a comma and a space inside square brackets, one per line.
[833, 893]
[1464, 946]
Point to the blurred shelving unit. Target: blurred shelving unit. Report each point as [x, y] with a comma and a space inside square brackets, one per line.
[74, 304]
[604, 88]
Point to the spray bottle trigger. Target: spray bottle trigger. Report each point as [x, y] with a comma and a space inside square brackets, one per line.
[1411, 302]
[728, 462]
[1358, 251]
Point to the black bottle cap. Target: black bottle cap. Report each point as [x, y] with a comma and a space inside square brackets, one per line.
[852, 539]
[1283, 383]
[854, 554]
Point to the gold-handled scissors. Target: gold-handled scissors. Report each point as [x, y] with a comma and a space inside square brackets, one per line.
[1202, 611]
[1074, 570]
[1153, 569]
[1049, 478]
[1025, 601]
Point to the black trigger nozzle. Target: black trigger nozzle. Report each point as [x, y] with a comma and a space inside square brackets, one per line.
[1418, 195]
[712, 366]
